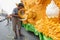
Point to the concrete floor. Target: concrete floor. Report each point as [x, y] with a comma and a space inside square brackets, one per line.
[6, 33]
[28, 35]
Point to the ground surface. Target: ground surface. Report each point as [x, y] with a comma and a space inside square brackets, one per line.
[6, 33]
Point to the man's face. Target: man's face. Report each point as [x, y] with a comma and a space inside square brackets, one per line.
[20, 7]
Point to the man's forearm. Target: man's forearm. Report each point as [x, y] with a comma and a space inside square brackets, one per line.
[14, 15]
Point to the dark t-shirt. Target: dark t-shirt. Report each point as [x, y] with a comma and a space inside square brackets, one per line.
[15, 11]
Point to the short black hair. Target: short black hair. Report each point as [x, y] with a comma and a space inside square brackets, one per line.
[20, 4]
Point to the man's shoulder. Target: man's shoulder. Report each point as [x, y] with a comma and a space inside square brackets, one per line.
[15, 8]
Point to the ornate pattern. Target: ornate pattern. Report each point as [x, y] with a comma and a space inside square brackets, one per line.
[36, 15]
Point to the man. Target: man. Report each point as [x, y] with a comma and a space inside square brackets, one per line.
[15, 20]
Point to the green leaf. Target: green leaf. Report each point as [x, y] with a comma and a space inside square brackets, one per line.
[41, 36]
[47, 38]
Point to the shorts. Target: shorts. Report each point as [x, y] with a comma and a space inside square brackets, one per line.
[16, 23]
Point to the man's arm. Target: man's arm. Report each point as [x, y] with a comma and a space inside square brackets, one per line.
[14, 15]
